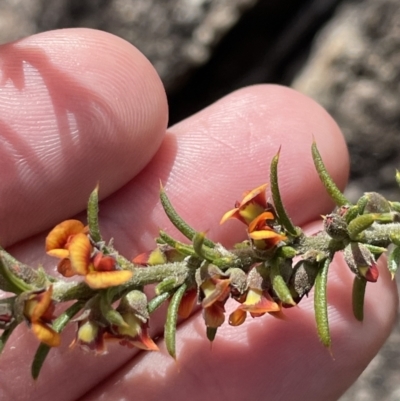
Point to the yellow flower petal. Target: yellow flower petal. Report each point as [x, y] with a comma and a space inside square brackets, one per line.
[156, 257]
[257, 195]
[228, 215]
[59, 253]
[266, 234]
[43, 301]
[97, 280]
[133, 325]
[253, 297]
[46, 334]
[58, 236]
[80, 250]
[253, 204]
[250, 211]
[87, 333]
[259, 221]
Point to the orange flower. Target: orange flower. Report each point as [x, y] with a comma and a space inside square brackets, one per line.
[69, 242]
[257, 303]
[133, 334]
[162, 254]
[255, 212]
[253, 204]
[90, 337]
[38, 310]
[215, 291]
[264, 236]
[58, 239]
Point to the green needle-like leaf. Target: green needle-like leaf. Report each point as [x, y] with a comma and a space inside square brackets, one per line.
[182, 248]
[177, 221]
[172, 320]
[321, 304]
[279, 285]
[326, 179]
[93, 215]
[359, 224]
[359, 285]
[38, 361]
[283, 217]
[157, 301]
[167, 285]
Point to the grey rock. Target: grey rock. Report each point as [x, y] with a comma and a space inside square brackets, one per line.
[354, 72]
[176, 35]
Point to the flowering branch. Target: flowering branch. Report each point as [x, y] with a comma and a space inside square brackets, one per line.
[272, 270]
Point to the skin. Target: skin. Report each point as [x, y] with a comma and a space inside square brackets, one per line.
[79, 107]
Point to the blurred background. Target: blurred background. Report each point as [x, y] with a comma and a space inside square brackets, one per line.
[343, 53]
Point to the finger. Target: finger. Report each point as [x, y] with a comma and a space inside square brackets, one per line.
[205, 163]
[77, 107]
[266, 358]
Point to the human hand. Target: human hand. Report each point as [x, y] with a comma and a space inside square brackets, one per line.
[81, 106]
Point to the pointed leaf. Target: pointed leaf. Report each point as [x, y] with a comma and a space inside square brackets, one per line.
[157, 301]
[283, 217]
[326, 179]
[93, 215]
[279, 285]
[172, 320]
[177, 221]
[321, 304]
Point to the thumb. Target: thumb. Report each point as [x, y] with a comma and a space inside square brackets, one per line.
[76, 106]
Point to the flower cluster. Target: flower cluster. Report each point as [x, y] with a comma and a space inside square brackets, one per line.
[69, 241]
[259, 216]
[127, 324]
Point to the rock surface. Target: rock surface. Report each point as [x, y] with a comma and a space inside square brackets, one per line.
[176, 35]
[354, 72]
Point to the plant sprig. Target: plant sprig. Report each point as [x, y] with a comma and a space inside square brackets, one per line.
[271, 270]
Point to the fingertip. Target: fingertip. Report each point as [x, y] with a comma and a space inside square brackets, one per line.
[78, 106]
[242, 132]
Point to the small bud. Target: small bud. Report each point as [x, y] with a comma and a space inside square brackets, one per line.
[135, 301]
[238, 280]
[7, 313]
[375, 203]
[336, 227]
[303, 279]
[361, 261]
